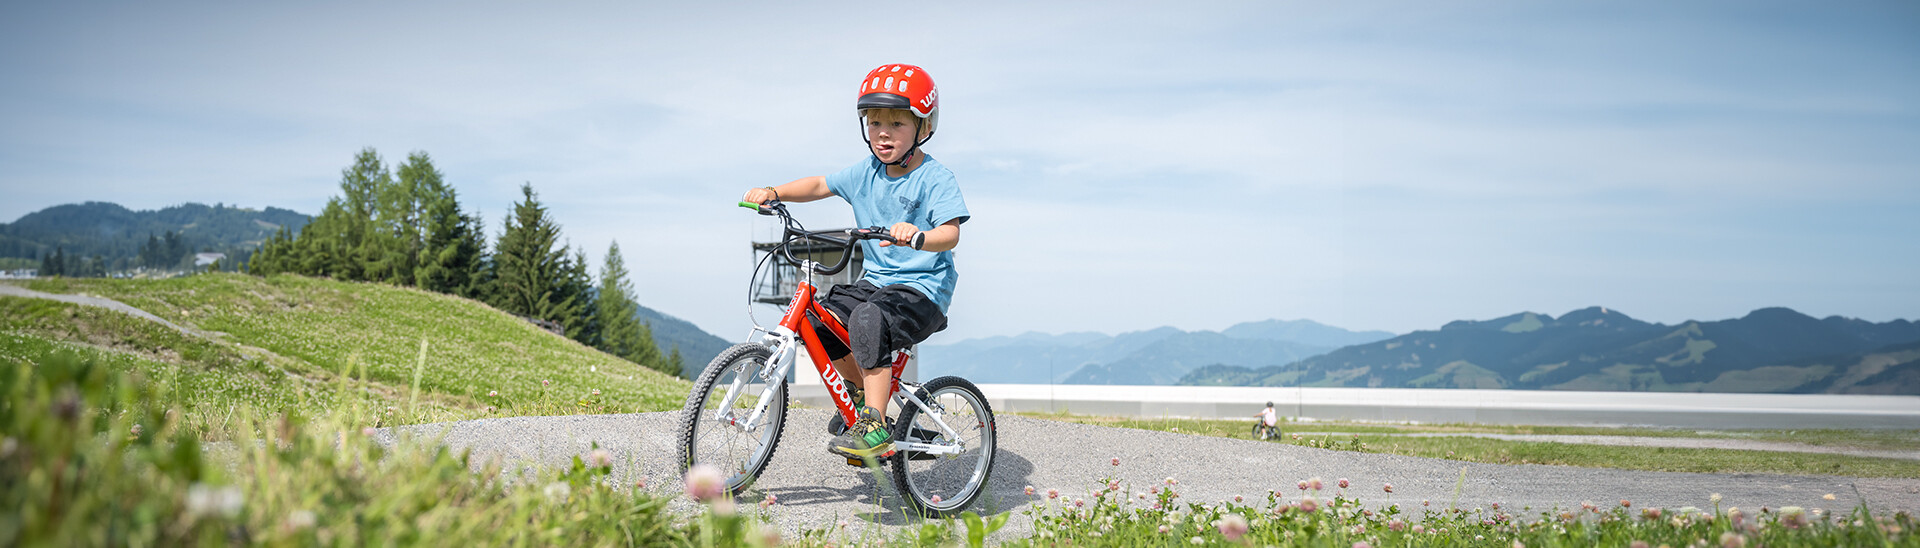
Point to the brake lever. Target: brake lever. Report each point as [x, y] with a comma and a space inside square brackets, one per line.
[919, 238]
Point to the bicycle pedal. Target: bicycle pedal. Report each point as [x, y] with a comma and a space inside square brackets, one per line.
[856, 462]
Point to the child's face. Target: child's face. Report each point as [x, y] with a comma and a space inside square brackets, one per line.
[891, 132]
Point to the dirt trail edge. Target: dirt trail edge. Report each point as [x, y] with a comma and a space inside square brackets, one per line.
[102, 302]
[816, 490]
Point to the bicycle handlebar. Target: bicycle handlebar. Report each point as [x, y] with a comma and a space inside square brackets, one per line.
[774, 207]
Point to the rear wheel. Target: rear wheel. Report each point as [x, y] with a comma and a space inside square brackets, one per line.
[715, 436]
[940, 484]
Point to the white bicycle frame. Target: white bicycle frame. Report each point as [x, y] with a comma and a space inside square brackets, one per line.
[786, 347]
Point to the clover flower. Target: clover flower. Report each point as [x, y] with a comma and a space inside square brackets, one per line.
[299, 519]
[1389, 488]
[704, 483]
[205, 500]
[1116, 461]
[1793, 517]
[1053, 493]
[1029, 489]
[1233, 526]
[600, 458]
[1343, 483]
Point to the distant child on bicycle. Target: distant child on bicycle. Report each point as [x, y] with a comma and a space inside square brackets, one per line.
[1268, 420]
[902, 299]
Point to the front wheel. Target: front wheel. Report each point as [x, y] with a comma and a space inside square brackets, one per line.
[943, 481]
[712, 424]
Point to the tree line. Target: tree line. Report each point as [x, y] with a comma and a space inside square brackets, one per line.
[404, 226]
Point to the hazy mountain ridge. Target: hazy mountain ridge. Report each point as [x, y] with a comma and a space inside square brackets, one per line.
[697, 347]
[1155, 356]
[1768, 350]
[116, 233]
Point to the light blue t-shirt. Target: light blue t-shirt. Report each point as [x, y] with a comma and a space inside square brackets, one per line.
[928, 197]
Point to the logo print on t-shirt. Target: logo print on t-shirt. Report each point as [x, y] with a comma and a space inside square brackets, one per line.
[908, 205]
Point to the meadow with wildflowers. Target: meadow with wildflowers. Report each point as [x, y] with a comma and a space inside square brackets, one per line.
[1330, 513]
[277, 342]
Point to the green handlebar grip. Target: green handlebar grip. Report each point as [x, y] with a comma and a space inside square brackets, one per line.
[750, 205]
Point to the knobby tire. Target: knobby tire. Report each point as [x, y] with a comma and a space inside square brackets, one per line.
[740, 455]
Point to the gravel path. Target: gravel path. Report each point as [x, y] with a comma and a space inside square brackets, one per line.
[815, 489]
[89, 300]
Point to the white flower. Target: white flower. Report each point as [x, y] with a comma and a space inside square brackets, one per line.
[300, 519]
[558, 491]
[203, 500]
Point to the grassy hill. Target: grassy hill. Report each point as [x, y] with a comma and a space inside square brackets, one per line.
[269, 344]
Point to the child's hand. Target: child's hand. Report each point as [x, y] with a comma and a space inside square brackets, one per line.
[902, 232]
[758, 195]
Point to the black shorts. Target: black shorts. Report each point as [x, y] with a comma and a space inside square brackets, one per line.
[879, 320]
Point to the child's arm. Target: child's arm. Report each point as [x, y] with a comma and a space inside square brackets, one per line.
[804, 189]
[942, 238]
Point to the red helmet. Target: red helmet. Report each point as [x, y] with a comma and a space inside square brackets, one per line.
[902, 87]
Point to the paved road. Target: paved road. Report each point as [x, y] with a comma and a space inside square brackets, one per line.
[815, 490]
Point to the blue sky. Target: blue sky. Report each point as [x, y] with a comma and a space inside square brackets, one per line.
[1129, 165]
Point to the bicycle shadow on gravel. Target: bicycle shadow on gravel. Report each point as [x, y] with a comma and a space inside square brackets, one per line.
[1005, 492]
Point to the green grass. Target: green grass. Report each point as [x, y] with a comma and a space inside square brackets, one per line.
[280, 341]
[1390, 439]
[104, 416]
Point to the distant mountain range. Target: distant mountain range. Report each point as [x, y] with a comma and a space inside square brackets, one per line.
[1155, 356]
[117, 234]
[1771, 350]
[697, 347]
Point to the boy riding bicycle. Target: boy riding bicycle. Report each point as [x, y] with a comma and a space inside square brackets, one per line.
[903, 297]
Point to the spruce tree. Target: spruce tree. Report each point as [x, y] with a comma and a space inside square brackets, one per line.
[578, 286]
[453, 244]
[621, 332]
[369, 242]
[532, 272]
[675, 361]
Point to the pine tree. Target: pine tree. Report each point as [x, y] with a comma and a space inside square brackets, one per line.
[368, 243]
[621, 332]
[54, 264]
[453, 244]
[578, 287]
[532, 272]
[675, 362]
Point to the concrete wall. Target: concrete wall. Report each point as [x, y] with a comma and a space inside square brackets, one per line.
[1659, 409]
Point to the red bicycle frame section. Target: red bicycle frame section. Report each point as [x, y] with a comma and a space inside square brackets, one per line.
[803, 307]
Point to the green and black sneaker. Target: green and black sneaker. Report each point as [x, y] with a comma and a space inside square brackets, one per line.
[867, 438]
